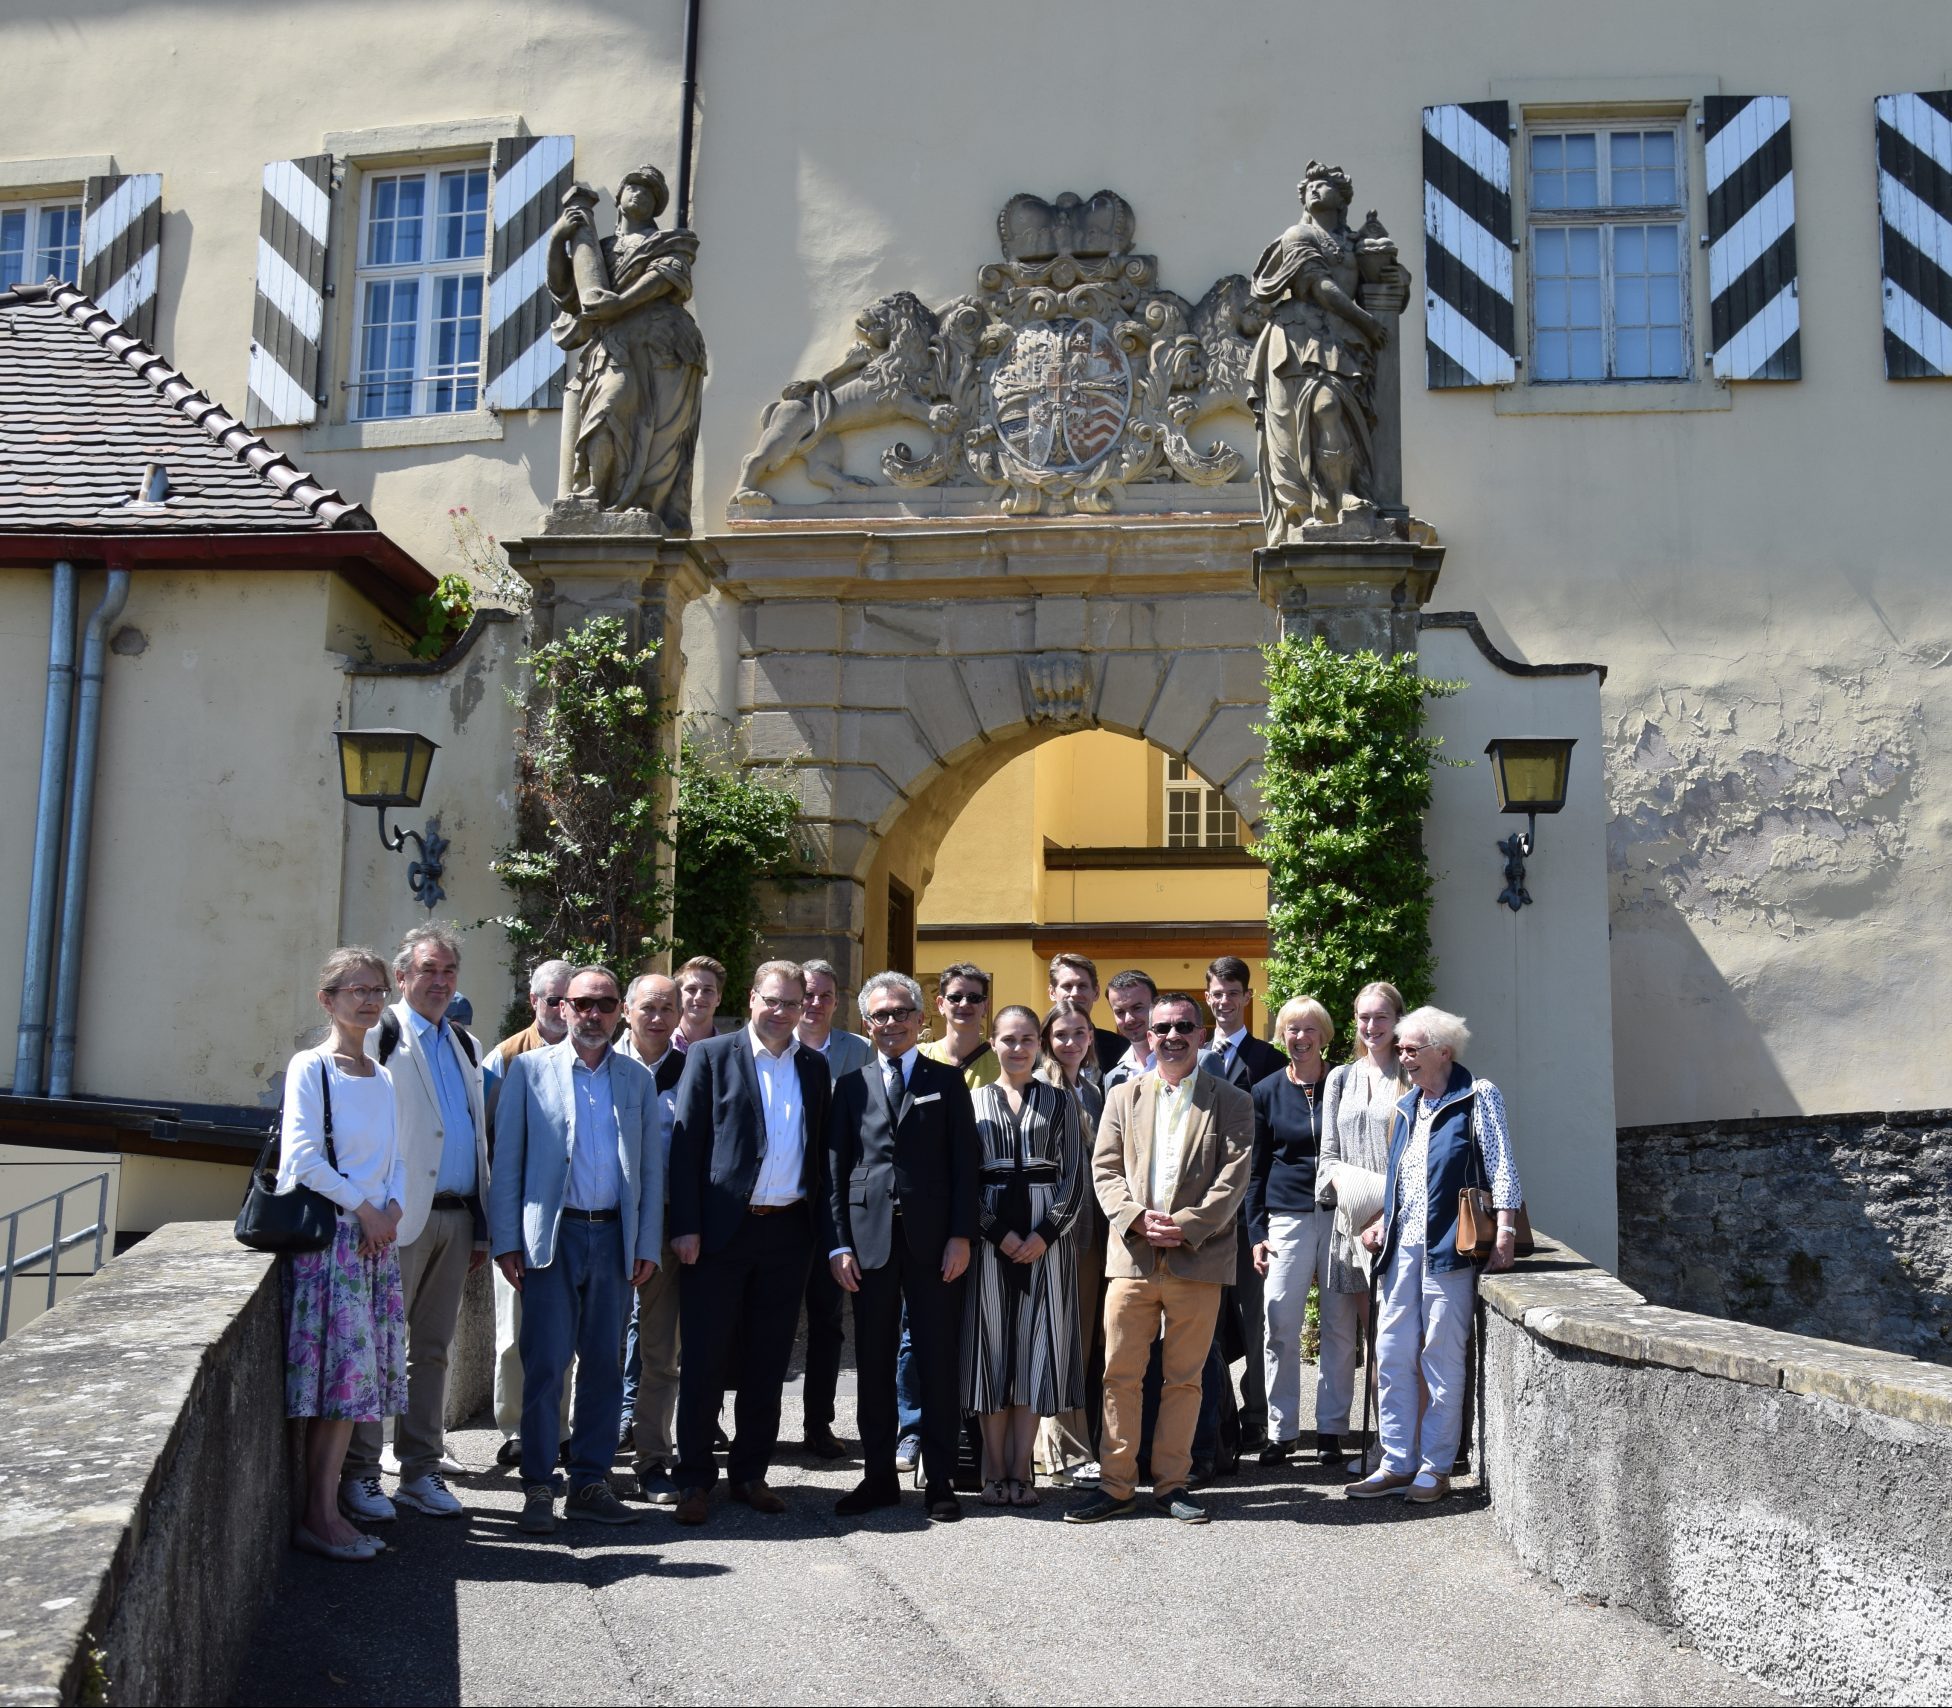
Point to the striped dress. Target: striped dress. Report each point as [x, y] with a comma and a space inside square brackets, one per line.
[1020, 1343]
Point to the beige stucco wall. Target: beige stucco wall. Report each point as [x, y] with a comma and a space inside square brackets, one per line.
[1762, 580]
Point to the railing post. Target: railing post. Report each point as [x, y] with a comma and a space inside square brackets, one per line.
[54, 1252]
[101, 1221]
[7, 1282]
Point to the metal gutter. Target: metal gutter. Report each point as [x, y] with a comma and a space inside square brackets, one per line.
[81, 824]
[30, 1043]
[685, 115]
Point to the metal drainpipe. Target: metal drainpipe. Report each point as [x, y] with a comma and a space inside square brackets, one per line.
[690, 98]
[81, 821]
[31, 1042]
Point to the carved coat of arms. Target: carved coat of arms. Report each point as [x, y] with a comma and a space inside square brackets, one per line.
[1065, 378]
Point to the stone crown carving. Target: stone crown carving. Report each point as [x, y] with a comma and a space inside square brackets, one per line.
[1066, 377]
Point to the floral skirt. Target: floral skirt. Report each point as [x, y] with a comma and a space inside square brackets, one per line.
[345, 1331]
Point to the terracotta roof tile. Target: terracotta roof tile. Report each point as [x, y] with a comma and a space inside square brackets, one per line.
[86, 407]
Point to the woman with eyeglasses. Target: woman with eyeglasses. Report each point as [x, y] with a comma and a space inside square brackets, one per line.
[1064, 1443]
[345, 1317]
[1291, 1239]
[1359, 1109]
[1450, 1133]
[1020, 1346]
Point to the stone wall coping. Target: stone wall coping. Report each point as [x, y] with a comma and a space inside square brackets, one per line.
[91, 1415]
[1562, 1297]
[1785, 1123]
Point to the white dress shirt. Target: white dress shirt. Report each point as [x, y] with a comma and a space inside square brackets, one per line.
[781, 1168]
[1175, 1103]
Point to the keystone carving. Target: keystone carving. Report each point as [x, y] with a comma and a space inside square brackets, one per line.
[1067, 376]
[1060, 687]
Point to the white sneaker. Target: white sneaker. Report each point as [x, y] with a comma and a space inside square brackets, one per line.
[362, 1497]
[389, 1461]
[449, 1466]
[428, 1494]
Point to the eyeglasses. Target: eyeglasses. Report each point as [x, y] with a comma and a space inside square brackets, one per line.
[358, 992]
[1403, 1049]
[593, 1004]
[785, 1004]
[552, 1001]
[965, 999]
[889, 1016]
[1183, 1027]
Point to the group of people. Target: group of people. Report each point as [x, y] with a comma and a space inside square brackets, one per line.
[1055, 1237]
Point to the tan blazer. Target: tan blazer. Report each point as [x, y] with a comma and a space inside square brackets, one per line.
[1214, 1159]
[417, 1115]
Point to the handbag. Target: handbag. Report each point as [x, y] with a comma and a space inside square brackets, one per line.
[1477, 1218]
[298, 1220]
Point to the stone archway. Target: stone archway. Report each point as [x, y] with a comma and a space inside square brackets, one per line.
[892, 672]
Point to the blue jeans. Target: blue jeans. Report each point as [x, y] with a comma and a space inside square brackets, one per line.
[908, 1385]
[633, 1363]
[574, 1306]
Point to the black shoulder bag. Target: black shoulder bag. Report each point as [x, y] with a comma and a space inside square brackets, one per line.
[298, 1220]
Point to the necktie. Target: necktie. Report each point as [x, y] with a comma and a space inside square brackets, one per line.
[894, 1083]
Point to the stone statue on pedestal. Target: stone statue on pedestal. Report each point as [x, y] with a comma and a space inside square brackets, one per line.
[1331, 299]
[632, 408]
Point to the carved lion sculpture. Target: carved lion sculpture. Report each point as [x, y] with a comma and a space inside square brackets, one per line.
[890, 375]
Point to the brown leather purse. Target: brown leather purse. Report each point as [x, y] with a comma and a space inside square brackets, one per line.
[1477, 1217]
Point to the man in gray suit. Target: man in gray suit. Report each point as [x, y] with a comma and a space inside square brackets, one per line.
[576, 1214]
[826, 1331]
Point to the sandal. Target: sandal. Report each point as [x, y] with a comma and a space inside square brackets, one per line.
[1023, 1494]
[994, 1493]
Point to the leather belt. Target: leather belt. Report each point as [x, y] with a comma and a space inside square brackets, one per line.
[774, 1209]
[450, 1201]
[593, 1215]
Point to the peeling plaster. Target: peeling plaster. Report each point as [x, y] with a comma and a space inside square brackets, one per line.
[1787, 812]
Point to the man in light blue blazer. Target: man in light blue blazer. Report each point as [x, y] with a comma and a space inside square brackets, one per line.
[576, 1219]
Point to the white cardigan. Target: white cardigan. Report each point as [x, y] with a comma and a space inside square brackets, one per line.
[370, 1169]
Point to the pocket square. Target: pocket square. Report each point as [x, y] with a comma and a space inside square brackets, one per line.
[931, 1097]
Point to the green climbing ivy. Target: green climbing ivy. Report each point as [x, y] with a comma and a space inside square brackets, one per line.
[736, 832]
[1346, 785]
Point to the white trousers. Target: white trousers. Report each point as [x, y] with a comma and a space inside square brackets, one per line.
[1425, 1321]
[1297, 1254]
[508, 1363]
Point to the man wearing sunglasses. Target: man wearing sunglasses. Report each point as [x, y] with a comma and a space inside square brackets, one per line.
[576, 1215]
[1170, 1167]
[745, 1146]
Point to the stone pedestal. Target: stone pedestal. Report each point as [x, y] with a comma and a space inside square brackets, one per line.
[589, 563]
[1357, 594]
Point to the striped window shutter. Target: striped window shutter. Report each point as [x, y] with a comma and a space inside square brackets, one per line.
[1753, 318]
[288, 322]
[524, 369]
[1914, 204]
[1468, 323]
[121, 238]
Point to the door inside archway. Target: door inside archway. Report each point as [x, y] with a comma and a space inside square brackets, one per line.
[1101, 845]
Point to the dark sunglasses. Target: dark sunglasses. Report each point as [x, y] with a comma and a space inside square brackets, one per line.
[964, 998]
[1182, 1027]
[593, 1004]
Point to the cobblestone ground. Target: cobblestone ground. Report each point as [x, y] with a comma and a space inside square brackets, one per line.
[1292, 1594]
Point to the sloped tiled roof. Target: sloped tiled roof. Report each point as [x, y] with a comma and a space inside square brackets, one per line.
[86, 407]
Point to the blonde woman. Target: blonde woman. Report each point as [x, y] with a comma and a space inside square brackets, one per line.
[1065, 1450]
[1291, 1237]
[346, 1320]
[1360, 1111]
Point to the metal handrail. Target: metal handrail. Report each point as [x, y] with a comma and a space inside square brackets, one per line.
[55, 1246]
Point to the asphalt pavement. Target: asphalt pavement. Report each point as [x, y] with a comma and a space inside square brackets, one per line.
[1291, 1594]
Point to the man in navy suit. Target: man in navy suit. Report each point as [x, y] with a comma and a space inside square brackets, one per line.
[901, 1208]
[744, 1177]
[1235, 1054]
[576, 1204]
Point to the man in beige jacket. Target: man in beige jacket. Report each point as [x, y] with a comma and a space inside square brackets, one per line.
[1170, 1168]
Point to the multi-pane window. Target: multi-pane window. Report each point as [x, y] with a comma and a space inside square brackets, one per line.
[1608, 217]
[422, 280]
[1197, 816]
[39, 239]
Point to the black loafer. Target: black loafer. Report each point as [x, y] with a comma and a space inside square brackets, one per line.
[822, 1443]
[943, 1506]
[509, 1452]
[1328, 1449]
[871, 1496]
[1278, 1452]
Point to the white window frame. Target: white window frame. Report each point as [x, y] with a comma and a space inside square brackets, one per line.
[1609, 217]
[1218, 824]
[464, 383]
[36, 274]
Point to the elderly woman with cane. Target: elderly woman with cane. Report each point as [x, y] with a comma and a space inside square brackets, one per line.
[1450, 1135]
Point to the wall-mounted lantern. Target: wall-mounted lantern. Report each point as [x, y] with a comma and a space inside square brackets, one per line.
[388, 768]
[1531, 778]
